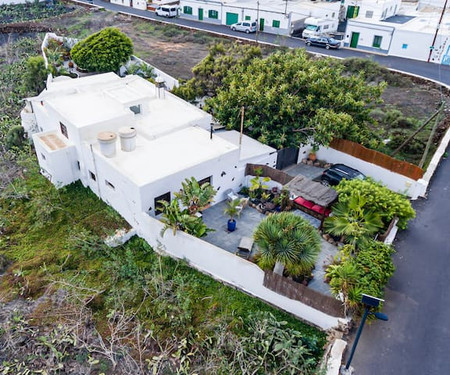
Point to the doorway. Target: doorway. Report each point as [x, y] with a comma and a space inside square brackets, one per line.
[354, 40]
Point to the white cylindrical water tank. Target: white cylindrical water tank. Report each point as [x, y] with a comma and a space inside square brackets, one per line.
[127, 138]
[107, 142]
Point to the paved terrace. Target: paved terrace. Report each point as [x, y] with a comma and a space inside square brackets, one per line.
[246, 224]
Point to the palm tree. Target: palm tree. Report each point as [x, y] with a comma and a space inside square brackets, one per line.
[195, 196]
[287, 241]
[353, 220]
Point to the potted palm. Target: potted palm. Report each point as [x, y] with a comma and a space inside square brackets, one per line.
[232, 210]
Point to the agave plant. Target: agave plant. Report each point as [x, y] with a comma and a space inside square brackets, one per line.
[353, 220]
[287, 241]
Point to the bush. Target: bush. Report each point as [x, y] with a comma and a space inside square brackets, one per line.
[368, 271]
[380, 199]
[104, 51]
[35, 75]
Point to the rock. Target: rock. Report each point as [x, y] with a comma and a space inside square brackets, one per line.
[331, 241]
[317, 163]
[327, 165]
[309, 162]
[326, 236]
[304, 161]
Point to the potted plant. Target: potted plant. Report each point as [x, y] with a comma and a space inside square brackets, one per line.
[312, 154]
[232, 210]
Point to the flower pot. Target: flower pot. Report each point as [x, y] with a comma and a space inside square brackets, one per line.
[231, 225]
[312, 156]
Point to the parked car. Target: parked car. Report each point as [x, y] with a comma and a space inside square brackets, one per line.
[323, 41]
[247, 27]
[165, 11]
[334, 174]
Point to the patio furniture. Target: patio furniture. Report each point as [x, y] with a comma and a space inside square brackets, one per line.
[231, 195]
[244, 248]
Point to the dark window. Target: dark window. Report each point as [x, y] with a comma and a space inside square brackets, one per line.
[110, 185]
[43, 156]
[377, 41]
[213, 14]
[187, 10]
[64, 130]
[247, 18]
[276, 23]
[159, 206]
[204, 180]
[136, 109]
[92, 176]
[78, 165]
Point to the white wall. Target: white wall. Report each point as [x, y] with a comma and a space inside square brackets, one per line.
[394, 181]
[367, 33]
[417, 44]
[59, 164]
[226, 267]
[215, 168]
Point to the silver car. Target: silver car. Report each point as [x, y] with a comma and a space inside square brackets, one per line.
[246, 27]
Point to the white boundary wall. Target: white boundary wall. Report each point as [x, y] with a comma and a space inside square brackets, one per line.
[226, 267]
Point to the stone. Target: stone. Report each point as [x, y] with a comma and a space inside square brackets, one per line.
[309, 162]
[317, 164]
[304, 161]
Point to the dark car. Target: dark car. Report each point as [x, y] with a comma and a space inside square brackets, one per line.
[334, 174]
[323, 41]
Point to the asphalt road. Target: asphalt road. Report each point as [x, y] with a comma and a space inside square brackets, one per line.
[432, 71]
[416, 339]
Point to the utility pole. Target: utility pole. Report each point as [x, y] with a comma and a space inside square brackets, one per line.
[437, 30]
[430, 139]
[257, 21]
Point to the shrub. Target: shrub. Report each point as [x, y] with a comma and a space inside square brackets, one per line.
[379, 198]
[35, 75]
[366, 271]
[104, 51]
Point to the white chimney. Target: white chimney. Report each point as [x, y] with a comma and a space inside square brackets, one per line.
[160, 87]
[127, 138]
[107, 142]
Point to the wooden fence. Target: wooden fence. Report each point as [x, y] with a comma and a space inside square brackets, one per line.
[299, 292]
[274, 174]
[385, 161]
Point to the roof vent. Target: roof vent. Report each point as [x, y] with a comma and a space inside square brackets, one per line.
[107, 142]
[127, 138]
[160, 87]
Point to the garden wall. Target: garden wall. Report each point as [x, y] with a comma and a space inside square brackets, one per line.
[226, 267]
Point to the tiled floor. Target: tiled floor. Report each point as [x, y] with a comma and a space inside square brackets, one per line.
[246, 225]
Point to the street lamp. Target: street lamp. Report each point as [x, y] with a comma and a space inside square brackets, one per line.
[368, 302]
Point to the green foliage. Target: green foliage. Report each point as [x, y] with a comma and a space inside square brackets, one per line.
[210, 73]
[288, 239]
[103, 51]
[15, 136]
[367, 270]
[354, 219]
[257, 185]
[35, 76]
[232, 209]
[143, 70]
[290, 98]
[177, 219]
[195, 196]
[379, 199]
[10, 13]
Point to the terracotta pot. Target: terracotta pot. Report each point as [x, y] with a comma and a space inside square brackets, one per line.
[312, 156]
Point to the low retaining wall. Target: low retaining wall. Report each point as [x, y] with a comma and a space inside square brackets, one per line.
[300, 292]
[226, 267]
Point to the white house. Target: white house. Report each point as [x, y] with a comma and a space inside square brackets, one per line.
[132, 142]
[276, 17]
[414, 31]
[138, 4]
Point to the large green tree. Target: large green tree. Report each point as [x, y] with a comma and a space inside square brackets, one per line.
[290, 98]
[104, 51]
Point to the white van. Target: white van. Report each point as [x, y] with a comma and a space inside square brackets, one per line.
[167, 11]
[319, 26]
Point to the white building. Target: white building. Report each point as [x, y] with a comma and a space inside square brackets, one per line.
[414, 31]
[138, 4]
[131, 142]
[276, 17]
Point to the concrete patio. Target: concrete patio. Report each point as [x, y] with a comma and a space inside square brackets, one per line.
[246, 224]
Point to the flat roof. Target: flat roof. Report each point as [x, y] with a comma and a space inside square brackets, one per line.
[153, 160]
[409, 18]
[250, 147]
[98, 99]
[52, 141]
